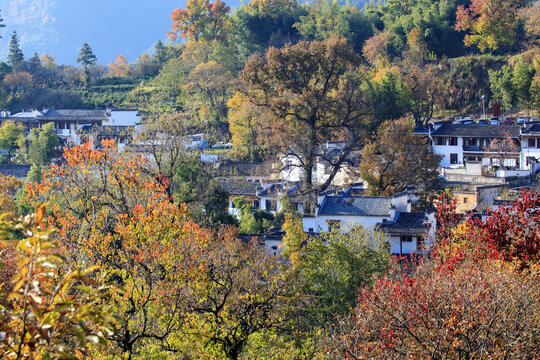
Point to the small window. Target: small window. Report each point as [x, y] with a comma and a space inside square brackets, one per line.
[255, 204]
[465, 200]
[453, 159]
[406, 238]
[310, 230]
[334, 225]
[441, 140]
[532, 143]
[452, 141]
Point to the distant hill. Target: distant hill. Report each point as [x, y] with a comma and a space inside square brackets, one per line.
[60, 27]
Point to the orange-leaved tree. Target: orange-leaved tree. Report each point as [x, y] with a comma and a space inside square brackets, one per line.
[109, 210]
[201, 20]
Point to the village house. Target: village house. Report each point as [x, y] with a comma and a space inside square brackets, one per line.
[408, 232]
[70, 124]
[486, 150]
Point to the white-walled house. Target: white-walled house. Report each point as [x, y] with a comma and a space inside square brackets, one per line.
[407, 231]
[346, 211]
[530, 147]
[461, 145]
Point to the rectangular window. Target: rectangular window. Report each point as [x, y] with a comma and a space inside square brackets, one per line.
[532, 143]
[441, 140]
[310, 230]
[465, 200]
[452, 141]
[453, 159]
[406, 238]
[333, 224]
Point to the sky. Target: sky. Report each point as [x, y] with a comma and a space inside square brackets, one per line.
[111, 27]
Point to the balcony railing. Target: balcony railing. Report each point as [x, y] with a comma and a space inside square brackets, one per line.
[477, 148]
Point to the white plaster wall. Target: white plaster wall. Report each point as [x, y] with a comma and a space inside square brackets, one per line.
[319, 223]
[123, 118]
[446, 150]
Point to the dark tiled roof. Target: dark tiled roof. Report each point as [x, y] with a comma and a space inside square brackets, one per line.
[531, 129]
[406, 224]
[502, 202]
[475, 130]
[356, 205]
[236, 168]
[240, 187]
[19, 171]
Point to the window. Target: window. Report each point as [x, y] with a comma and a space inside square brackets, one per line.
[532, 143]
[441, 140]
[452, 141]
[453, 159]
[310, 230]
[333, 224]
[465, 200]
[255, 204]
[406, 238]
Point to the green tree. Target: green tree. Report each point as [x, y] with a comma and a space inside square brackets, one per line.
[336, 265]
[86, 59]
[209, 87]
[522, 78]
[251, 221]
[15, 54]
[23, 206]
[206, 200]
[43, 143]
[502, 87]
[10, 133]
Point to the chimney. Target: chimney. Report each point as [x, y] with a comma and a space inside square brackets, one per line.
[392, 212]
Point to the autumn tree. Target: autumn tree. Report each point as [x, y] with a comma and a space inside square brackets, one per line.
[315, 93]
[248, 292]
[17, 82]
[396, 159]
[474, 297]
[247, 139]
[531, 18]
[208, 88]
[201, 20]
[110, 211]
[425, 89]
[51, 314]
[119, 68]
[8, 187]
[491, 23]
[379, 47]
[484, 310]
[15, 54]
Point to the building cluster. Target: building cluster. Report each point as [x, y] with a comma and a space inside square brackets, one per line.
[77, 126]
[480, 163]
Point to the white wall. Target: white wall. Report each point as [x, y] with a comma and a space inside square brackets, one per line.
[446, 150]
[406, 247]
[320, 224]
[124, 118]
